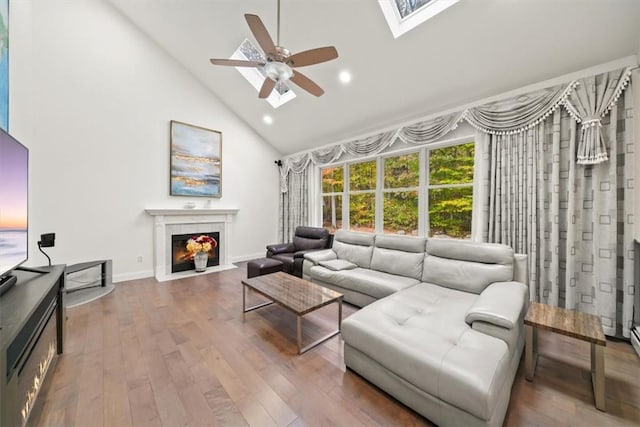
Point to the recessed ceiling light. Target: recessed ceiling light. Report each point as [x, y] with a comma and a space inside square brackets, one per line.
[267, 119]
[344, 76]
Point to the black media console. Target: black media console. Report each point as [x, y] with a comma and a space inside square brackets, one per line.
[32, 318]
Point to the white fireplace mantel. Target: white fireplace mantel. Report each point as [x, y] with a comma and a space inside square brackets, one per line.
[182, 221]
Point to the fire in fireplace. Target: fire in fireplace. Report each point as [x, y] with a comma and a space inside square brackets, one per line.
[182, 259]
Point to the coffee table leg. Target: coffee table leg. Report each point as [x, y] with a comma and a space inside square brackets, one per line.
[244, 299]
[255, 307]
[308, 347]
[531, 351]
[597, 375]
[299, 333]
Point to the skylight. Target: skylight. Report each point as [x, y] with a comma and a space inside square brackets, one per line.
[405, 15]
[248, 52]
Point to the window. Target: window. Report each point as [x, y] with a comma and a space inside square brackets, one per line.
[405, 15]
[255, 76]
[450, 191]
[407, 7]
[332, 190]
[362, 196]
[426, 192]
[400, 194]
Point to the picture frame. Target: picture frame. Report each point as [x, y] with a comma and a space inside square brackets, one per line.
[196, 161]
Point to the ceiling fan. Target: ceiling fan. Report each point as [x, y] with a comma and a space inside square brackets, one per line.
[280, 63]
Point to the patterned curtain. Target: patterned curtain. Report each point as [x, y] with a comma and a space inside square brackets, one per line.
[588, 103]
[575, 221]
[294, 204]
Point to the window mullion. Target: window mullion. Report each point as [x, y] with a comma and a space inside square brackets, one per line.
[423, 198]
[346, 215]
[378, 200]
[450, 185]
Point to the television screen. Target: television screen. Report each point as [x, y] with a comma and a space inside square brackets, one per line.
[14, 196]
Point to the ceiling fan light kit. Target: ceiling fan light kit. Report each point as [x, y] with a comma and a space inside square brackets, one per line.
[278, 71]
[280, 63]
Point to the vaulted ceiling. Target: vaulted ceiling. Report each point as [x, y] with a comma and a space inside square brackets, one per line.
[473, 50]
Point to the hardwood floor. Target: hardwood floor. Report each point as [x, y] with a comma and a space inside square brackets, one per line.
[179, 353]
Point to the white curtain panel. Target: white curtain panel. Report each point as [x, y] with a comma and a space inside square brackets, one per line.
[294, 205]
[572, 220]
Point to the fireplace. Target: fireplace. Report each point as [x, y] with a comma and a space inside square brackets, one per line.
[168, 222]
[182, 259]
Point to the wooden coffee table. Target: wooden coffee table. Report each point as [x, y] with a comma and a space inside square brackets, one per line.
[582, 326]
[296, 295]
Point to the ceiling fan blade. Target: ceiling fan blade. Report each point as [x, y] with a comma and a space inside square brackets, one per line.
[260, 33]
[236, 63]
[313, 56]
[266, 88]
[306, 83]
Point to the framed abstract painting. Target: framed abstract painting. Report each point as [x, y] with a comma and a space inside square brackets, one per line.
[196, 161]
[4, 64]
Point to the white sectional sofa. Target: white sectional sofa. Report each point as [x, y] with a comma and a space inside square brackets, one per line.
[441, 328]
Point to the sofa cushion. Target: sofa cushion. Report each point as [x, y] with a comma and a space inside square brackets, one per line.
[354, 237]
[420, 335]
[376, 284]
[353, 246]
[466, 266]
[466, 250]
[286, 260]
[338, 264]
[303, 243]
[315, 233]
[401, 243]
[400, 263]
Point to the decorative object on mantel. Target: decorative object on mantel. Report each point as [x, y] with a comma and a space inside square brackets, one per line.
[199, 248]
[196, 161]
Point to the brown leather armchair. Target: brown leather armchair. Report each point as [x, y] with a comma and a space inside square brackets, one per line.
[306, 239]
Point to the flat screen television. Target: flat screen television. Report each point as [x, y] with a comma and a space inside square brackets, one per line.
[14, 200]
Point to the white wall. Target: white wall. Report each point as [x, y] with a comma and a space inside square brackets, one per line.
[92, 97]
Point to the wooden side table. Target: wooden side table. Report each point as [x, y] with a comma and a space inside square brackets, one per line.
[582, 326]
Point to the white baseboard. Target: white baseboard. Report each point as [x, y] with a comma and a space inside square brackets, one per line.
[242, 258]
[134, 275]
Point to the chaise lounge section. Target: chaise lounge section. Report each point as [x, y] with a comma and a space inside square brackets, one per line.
[444, 333]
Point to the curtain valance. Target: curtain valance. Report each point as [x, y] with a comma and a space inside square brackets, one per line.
[430, 130]
[516, 115]
[587, 101]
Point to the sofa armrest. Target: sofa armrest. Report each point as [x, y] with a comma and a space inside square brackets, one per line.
[511, 337]
[322, 255]
[280, 248]
[500, 304]
[521, 269]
